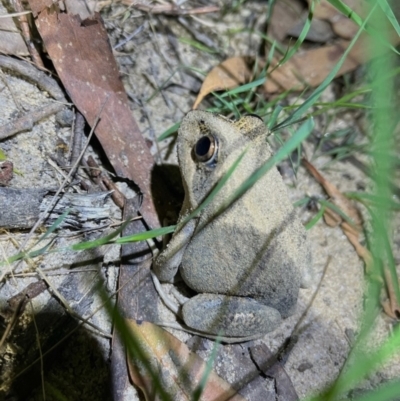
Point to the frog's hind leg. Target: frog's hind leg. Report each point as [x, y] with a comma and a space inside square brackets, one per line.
[229, 316]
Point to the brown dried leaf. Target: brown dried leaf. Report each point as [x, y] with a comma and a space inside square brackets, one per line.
[305, 68]
[83, 58]
[180, 370]
[311, 67]
[284, 16]
[227, 75]
[341, 25]
[320, 31]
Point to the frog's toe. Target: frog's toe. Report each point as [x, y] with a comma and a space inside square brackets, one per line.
[229, 316]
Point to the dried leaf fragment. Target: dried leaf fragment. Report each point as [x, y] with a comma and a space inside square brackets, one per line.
[227, 75]
[180, 371]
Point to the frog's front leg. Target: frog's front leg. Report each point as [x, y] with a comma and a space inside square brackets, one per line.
[167, 263]
[229, 316]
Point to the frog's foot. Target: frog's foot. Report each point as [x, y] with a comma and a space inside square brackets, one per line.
[208, 328]
[170, 303]
[222, 339]
[229, 316]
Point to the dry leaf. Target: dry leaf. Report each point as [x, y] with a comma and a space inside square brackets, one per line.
[83, 58]
[227, 75]
[180, 371]
[343, 27]
[320, 31]
[284, 16]
[305, 68]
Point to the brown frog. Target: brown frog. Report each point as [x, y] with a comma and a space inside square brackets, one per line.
[244, 262]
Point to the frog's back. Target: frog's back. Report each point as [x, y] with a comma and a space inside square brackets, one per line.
[258, 248]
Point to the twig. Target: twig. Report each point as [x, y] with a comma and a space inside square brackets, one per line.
[170, 9]
[65, 303]
[11, 323]
[98, 177]
[27, 122]
[32, 74]
[129, 37]
[12, 15]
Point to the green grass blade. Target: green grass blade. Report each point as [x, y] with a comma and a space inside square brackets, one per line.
[99, 241]
[145, 235]
[244, 88]
[383, 4]
[315, 219]
[206, 374]
[274, 116]
[169, 132]
[301, 37]
[215, 190]
[386, 392]
[302, 133]
[347, 11]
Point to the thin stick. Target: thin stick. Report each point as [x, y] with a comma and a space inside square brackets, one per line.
[26, 34]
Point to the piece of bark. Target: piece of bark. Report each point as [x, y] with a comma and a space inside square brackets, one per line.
[31, 291]
[21, 208]
[268, 364]
[137, 297]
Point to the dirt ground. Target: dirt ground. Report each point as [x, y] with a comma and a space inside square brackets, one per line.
[157, 64]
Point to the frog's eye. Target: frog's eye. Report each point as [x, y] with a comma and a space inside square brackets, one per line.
[206, 149]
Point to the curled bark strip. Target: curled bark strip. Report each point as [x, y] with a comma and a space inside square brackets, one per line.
[32, 74]
[391, 306]
[29, 292]
[27, 122]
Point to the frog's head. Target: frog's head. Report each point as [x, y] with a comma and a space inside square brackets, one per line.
[208, 145]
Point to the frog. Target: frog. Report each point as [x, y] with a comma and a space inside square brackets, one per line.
[245, 260]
